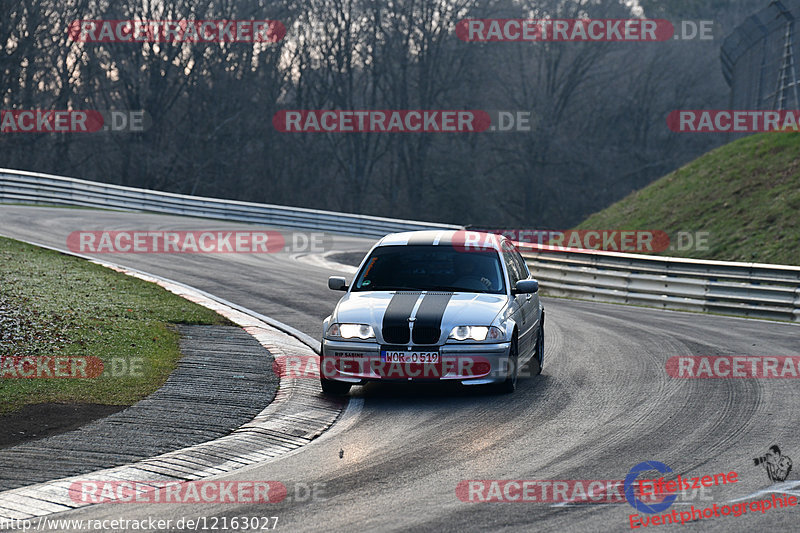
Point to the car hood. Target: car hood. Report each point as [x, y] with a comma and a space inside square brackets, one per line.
[453, 309]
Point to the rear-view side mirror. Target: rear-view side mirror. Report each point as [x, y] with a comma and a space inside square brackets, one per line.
[337, 283]
[526, 286]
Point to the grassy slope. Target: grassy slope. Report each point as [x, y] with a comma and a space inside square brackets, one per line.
[746, 194]
[53, 304]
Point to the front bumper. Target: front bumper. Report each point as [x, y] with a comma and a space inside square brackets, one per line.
[469, 363]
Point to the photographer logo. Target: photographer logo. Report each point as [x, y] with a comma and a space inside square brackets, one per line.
[778, 466]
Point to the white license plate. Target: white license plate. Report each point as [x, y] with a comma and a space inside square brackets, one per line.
[390, 356]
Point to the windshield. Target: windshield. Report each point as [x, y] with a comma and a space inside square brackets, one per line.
[431, 268]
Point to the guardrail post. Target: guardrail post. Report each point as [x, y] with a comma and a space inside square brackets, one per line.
[797, 305]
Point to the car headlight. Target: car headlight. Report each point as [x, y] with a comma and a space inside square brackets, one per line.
[476, 333]
[351, 331]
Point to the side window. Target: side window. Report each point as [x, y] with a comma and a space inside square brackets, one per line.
[511, 264]
[523, 268]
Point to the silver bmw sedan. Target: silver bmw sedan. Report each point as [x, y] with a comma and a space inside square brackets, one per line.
[435, 306]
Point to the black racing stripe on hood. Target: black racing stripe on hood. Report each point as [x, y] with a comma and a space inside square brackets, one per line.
[395, 319]
[427, 327]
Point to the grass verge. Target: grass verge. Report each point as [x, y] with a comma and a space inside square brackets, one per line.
[56, 306]
[745, 196]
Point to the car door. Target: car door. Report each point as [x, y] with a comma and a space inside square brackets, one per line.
[530, 305]
[520, 310]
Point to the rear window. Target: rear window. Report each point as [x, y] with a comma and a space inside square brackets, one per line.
[431, 268]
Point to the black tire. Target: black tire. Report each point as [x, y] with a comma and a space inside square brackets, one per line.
[335, 388]
[539, 360]
[510, 384]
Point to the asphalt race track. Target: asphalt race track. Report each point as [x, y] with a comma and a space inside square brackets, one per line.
[603, 404]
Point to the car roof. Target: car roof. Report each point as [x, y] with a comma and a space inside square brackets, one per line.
[443, 238]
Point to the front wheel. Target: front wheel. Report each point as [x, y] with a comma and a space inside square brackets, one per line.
[336, 388]
[538, 363]
[510, 384]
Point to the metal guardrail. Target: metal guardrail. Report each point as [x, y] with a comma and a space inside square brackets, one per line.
[741, 289]
[29, 187]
